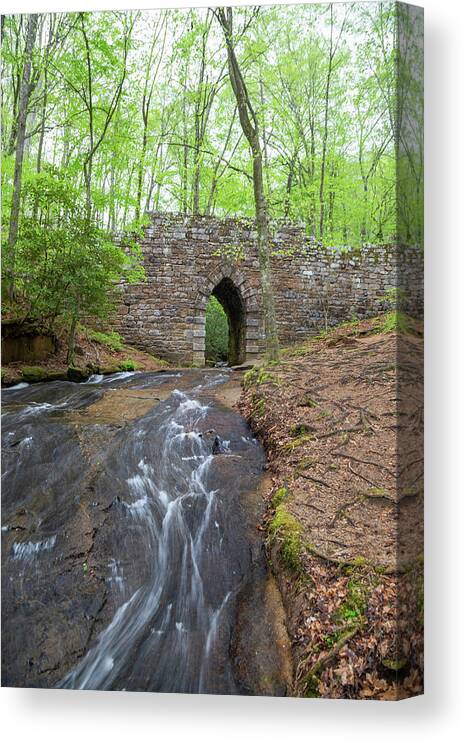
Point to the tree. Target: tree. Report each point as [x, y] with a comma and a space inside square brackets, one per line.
[139, 111]
[250, 127]
[24, 95]
[68, 268]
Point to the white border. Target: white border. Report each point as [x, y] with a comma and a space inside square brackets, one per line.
[86, 716]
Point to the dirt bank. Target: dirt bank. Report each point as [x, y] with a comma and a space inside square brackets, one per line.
[95, 353]
[341, 420]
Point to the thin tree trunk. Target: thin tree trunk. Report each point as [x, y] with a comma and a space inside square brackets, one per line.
[199, 104]
[146, 102]
[71, 341]
[325, 130]
[250, 127]
[20, 140]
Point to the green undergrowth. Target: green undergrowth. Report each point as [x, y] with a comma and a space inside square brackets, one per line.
[349, 617]
[128, 365]
[111, 340]
[299, 429]
[256, 376]
[278, 497]
[259, 405]
[297, 442]
[397, 322]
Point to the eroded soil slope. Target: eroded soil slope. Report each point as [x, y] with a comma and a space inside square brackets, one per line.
[341, 419]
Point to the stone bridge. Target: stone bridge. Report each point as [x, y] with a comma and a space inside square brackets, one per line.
[189, 258]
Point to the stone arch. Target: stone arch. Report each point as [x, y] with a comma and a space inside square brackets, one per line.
[241, 304]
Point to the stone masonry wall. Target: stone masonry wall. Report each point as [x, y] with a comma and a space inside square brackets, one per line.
[185, 257]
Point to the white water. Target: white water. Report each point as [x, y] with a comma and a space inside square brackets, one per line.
[21, 385]
[28, 549]
[173, 616]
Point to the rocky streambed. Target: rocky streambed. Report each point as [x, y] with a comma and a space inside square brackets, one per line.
[131, 558]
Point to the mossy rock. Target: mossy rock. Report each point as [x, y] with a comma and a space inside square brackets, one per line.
[287, 532]
[77, 374]
[111, 368]
[33, 374]
[56, 374]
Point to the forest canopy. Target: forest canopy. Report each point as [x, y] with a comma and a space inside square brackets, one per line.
[134, 111]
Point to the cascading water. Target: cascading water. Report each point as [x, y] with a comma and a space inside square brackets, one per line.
[146, 518]
[169, 625]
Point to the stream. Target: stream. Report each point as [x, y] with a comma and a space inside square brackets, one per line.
[131, 558]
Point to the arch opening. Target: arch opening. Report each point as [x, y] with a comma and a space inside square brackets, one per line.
[228, 296]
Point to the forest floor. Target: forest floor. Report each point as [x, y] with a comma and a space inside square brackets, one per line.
[95, 353]
[341, 419]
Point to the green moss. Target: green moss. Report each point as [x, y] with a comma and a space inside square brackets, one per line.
[55, 374]
[256, 376]
[279, 496]
[309, 402]
[292, 445]
[298, 351]
[111, 340]
[33, 374]
[299, 429]
[128, 365]
[77, 374]
[396, 664]
[159, 361]
[311, 686]
[377, 492]
[397, 322]
[111, 368]
[285, 529]
[354, 607]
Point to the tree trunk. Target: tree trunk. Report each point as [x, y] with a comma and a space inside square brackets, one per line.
[325, 131]
[250, 127]
[71, 341]
[20, 140]
[140, 174]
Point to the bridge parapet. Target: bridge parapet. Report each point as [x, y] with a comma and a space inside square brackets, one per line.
[187, 257]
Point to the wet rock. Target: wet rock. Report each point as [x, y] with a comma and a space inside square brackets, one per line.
[218, 446]
[33, 374]
[90, 502]
[77, 374]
